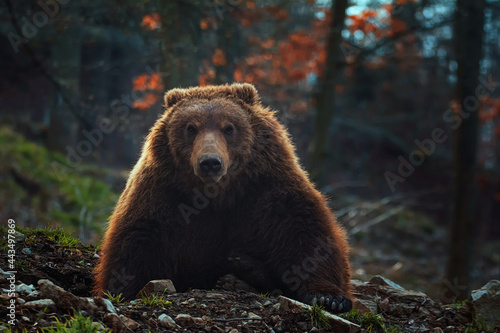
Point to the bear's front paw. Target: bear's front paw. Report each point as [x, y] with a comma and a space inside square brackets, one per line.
[332, 303]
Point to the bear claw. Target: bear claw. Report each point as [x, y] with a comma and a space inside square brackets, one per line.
[335, 304]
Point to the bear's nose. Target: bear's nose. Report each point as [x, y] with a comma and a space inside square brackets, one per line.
[210, 163]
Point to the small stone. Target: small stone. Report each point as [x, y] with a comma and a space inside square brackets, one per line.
[277, 306]
[185, 320]
[157, 287]
[114, 322]
[19, 237]
[382, 281]
[129, 323]
[214, 295]
[24, 318]
[41, 304]
[437, 330]
[167, 321]
[24, 288]
[26, 251]
[302, 325]
[244, 314]
[109, 305]
[100, 327]
[20, 301]
[252, 315]
[234, 330]
[4, 275]
[96, 256]
[267, 303]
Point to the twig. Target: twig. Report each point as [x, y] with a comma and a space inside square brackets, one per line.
[237, 319]
[378, 219]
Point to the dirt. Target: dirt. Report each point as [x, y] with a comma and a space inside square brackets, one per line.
[214, 310]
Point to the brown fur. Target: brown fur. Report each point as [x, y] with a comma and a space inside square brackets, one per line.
[173, 221]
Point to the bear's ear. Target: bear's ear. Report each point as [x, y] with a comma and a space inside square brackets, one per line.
[173, 96]
[246, 92]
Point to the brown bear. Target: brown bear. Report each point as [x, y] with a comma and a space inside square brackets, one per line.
[218, 189]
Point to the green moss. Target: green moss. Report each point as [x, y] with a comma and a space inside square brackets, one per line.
[36, 180]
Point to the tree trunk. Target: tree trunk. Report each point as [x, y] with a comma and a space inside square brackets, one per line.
[65, 69]
[325, 101]
[469, 22]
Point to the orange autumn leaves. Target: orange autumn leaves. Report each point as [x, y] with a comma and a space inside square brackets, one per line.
[151, 21]
[378, 23]
[150, 86]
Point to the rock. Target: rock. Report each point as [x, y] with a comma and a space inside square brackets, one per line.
[167, 321]
[41, 304]
[214, 295]
[26, 251]
[257, 318]
[19, 237]
[267, 303]
[114, 322]
[382, 281]
[364, 306]
[337, 324]
[64, 299]
[486, 304]
[186, 320]
[100, 327]
[109, 305]
[129, 323]
[157, 287]
[25, 289]
[4, 275]
[303, 325]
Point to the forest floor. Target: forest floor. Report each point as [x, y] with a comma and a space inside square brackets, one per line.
[46, 259]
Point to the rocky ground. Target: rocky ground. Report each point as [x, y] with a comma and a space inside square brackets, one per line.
[50, 292]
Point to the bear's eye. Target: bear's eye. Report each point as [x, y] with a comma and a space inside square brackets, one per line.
[190, 129]
[229, 129]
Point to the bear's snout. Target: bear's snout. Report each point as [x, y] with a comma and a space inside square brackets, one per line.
[210, 164]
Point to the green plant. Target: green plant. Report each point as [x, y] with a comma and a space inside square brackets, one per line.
[115, 299]
[22, 265]
[369, 321]
[154, 300]
[318, 318]
[77, 323]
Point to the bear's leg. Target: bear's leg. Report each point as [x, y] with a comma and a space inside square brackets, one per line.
[132, 256]
[251, 270]
[304, 247]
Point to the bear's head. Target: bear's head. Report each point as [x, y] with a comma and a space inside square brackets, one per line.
[209, 129]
